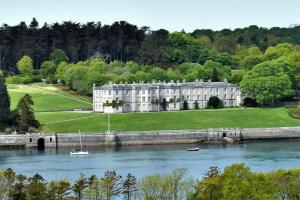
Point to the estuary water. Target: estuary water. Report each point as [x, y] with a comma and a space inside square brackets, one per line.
[146, 160]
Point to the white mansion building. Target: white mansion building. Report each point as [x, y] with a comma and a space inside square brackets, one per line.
[159, 96]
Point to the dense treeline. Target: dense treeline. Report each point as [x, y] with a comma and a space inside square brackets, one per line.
[236, 182]
[264, 62]
[124, 42]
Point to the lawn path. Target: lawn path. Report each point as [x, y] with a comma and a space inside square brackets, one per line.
[67, 120]
[51, 92]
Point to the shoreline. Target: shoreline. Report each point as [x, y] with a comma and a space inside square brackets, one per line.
[216, 135]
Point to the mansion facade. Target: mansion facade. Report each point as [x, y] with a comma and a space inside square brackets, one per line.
[162, 96]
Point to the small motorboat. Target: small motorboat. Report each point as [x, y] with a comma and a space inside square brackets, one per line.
[194, 149]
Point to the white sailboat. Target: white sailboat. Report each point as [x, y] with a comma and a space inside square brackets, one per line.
[80, 151]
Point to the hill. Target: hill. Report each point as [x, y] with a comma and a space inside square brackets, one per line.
[47, 97]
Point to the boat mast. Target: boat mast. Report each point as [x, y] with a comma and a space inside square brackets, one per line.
[80, 139]
[108, 123]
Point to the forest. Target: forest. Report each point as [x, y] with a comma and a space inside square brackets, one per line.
[264, 62]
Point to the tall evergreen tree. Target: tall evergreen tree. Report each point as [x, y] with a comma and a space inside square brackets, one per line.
[129, 188]
[26, 117]
[4, 103]
[215, 75]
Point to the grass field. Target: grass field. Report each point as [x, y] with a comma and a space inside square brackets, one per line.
[92, 122]
[47, 98]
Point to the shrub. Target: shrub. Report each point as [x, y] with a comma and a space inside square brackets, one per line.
[23, 79]
[249, 102]
[8, 131]
[185, 105]
[215, 102]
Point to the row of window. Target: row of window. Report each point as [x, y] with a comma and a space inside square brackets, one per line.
[167, 91]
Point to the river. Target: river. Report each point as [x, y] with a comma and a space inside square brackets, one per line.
[145, 160]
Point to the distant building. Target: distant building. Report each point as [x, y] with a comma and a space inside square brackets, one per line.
[160, 96]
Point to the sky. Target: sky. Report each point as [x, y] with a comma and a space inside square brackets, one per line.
[173, 15]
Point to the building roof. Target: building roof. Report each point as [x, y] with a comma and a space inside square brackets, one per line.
[165, 85]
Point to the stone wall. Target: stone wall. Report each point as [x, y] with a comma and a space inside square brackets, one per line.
[149, 137]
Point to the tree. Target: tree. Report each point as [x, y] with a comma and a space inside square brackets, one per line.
[58, 56]
[210, 187]
[4, 104]
[215, 76]
[196, 105]
[79, 186]
[267, 83]
[19, 190]
[111, 184]
[25, 65]
[91, 185]
[58, 190]
[36, 188]
[26, 117]
[185, 105]
[215, 102]
[129, 188]
[48, 68]
[10, 177]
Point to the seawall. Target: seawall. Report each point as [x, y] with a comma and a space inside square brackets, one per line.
[42, 140]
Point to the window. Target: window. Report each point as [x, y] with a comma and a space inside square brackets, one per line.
[174, 98]
[50, 139]
[225, 96]
[109, 92]
[143, 91]
[117, 92]
[205, 97]
[182, 98]
[217, 89]
[232, 89]
[30, 140]
[188, 97]
[167, 91]
[174, 105]
[198, 97]
[127, 92]
[211, 89]
[231, 96]
[138, 92]
[225, 89]
[144, 99]
[117, 99]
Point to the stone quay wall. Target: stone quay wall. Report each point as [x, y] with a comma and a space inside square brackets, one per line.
[149, 137]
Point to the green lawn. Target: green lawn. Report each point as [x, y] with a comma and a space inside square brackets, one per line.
[47, 98]
[92, 122]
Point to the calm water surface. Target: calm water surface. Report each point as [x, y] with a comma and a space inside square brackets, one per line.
[145, 160]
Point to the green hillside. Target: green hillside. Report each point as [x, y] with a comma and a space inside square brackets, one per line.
[47, 98]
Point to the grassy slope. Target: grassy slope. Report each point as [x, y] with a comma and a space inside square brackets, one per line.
[244, 118]
[46, 98]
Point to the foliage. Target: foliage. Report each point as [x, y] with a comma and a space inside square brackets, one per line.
[25, 65]
[215, 102]
[129, 188]
[58, 56]
[267, 83]
[111, 185]
[48, 68]
[4, 104]
[23, 79]
[26, 117]
[236, 182]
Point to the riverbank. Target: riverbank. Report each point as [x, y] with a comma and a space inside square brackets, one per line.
[44, 140]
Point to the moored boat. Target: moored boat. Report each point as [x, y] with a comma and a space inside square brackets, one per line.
[194, 149]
